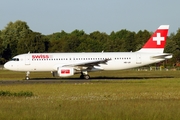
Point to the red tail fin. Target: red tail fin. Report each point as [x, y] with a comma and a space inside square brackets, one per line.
[157, 41]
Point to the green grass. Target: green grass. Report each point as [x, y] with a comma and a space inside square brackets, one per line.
[154, 96]
[16, 94]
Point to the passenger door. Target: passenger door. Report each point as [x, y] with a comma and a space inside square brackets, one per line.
[27, 59]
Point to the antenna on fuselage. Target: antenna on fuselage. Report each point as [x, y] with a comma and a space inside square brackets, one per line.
[29, 52]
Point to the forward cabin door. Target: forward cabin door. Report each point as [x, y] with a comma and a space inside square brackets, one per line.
[138, 58]
[27, 59]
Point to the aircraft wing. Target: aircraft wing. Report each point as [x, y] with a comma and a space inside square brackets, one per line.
[87, 65]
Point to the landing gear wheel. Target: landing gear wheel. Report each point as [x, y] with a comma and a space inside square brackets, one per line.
[27, 78]
[86, 77]
[27, 75]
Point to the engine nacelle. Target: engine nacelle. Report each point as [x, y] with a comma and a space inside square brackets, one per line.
[65, 71]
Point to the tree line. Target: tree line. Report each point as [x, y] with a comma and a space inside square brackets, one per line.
[17, 38]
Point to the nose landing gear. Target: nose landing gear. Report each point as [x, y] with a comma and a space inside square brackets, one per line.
[27, 75]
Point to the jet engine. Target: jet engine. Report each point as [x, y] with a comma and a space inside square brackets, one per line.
[64, 72]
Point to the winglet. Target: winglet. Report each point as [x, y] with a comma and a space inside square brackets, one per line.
[157, 41]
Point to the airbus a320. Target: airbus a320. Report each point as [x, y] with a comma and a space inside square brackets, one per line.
[68, 64]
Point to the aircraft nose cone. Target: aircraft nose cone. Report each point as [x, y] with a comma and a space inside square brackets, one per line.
[7, 65]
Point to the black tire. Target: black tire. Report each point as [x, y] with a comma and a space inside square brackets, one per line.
[81, 76]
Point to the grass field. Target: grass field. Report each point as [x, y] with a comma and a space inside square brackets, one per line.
[138, 95]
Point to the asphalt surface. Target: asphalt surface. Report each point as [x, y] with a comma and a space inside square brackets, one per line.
[75, 80]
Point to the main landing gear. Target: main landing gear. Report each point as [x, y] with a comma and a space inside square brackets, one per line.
[84, 75]
[27, 75]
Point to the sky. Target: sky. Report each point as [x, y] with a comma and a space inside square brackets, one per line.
[51, 16]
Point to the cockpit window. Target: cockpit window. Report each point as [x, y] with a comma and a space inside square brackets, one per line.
[15, 59]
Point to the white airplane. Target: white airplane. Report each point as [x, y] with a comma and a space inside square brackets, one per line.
[68, 64]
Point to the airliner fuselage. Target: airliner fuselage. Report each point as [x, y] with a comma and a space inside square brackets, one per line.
[50, 61]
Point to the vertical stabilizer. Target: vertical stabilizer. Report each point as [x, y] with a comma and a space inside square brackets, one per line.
[157, 41]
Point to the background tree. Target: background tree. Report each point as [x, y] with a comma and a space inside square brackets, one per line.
[57, 42]
[12, 33]
[174, 46]
[129, 42]
[141, 38]
[97, 40]
[57, 36]
[74, 40]
[34, 42]
[2, 59]
[1, 46]
[119, 40]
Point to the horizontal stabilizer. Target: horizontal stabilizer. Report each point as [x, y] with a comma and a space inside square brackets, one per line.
[164, 56]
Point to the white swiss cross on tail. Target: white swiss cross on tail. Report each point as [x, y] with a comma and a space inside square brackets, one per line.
[158, 38]
[157, 42]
